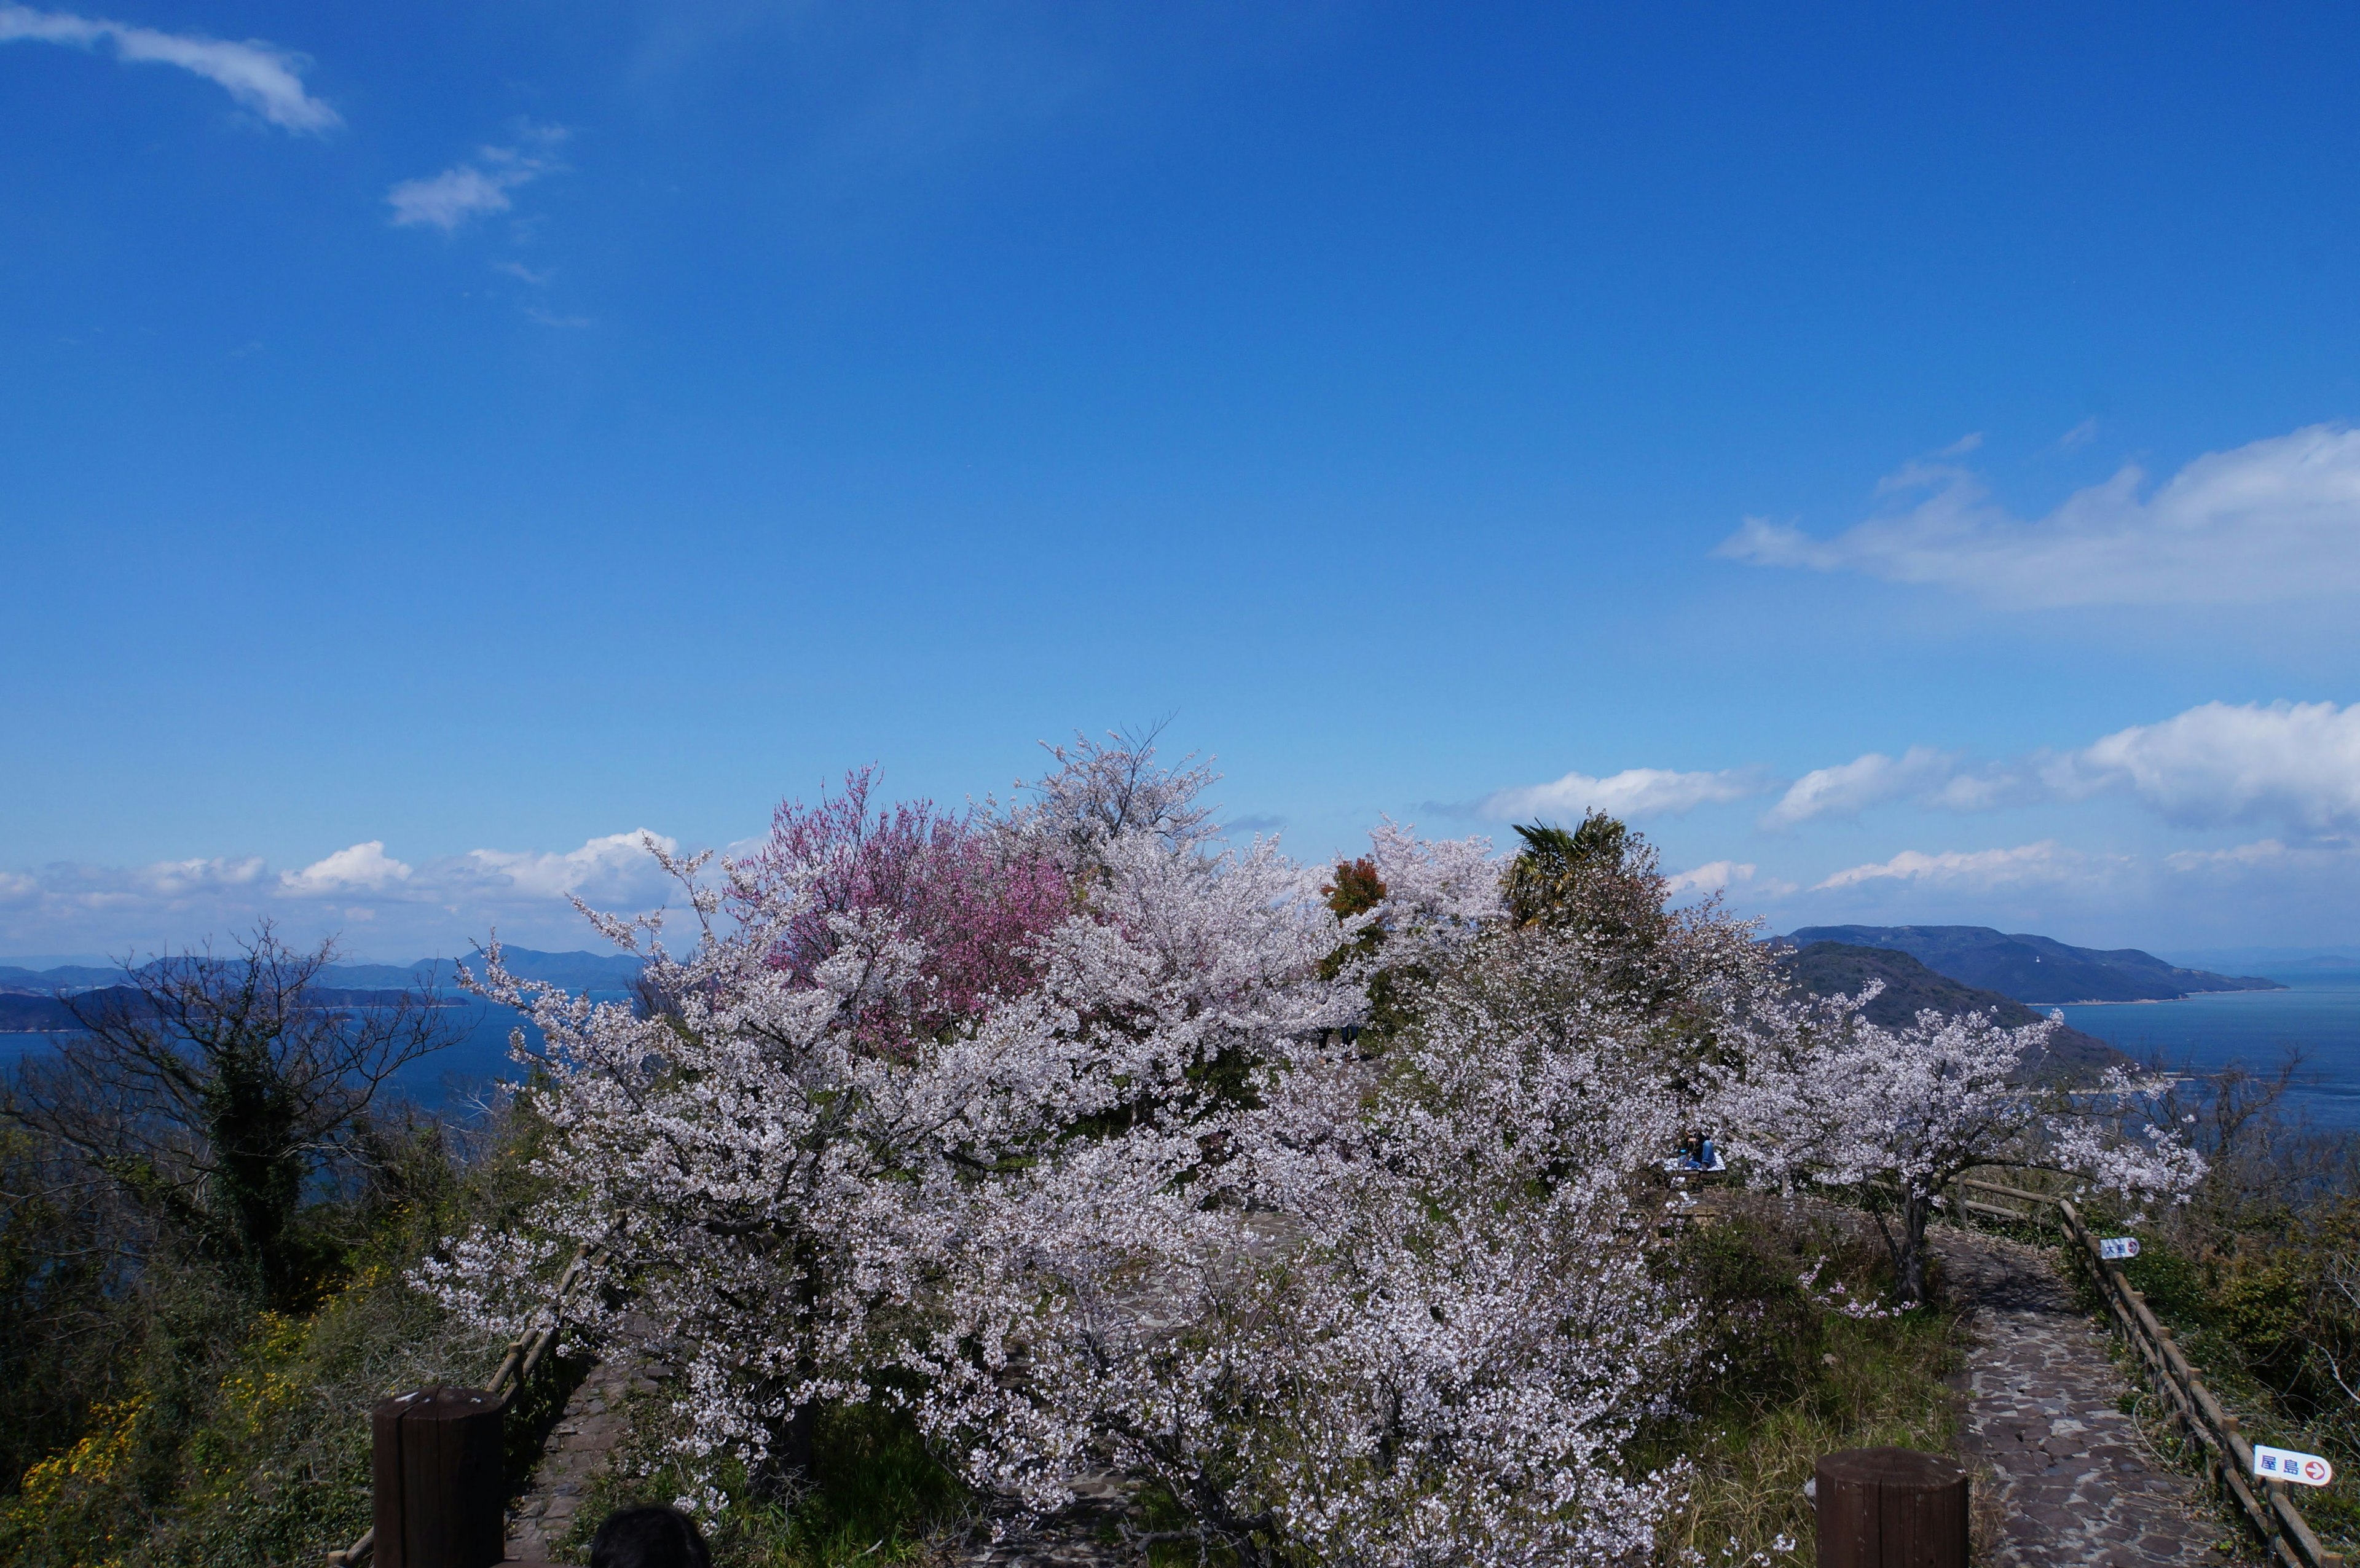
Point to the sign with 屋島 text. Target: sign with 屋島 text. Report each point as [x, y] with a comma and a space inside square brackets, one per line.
[2286, 1465]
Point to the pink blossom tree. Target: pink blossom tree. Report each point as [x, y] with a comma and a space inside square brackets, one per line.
[974, 901]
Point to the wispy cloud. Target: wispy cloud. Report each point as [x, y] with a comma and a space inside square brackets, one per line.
[2076, 437]
[1257, 825]
[1981, 868]
[2268, 856]
[478, 186]
[1713, 876]
[1851, 787]
[261, 76]
[522, 273]
[2274, 521]
[1635, 792]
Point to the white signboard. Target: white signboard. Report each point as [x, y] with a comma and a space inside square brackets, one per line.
[2118, 1246]
[2286, 1465]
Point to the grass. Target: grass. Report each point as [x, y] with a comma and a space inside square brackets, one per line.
[2225, 1314]
[875, 1494]
[1794, 1379]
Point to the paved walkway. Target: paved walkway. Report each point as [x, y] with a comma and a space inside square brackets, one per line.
[579, 1446]
[2076, 1481]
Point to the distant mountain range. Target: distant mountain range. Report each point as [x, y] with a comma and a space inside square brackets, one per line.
[574, 971]
[45, 1012]
[2035, 968]
[1834, 968]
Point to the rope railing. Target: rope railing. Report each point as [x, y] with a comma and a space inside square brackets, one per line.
[2228, 1455]
[516, 1369]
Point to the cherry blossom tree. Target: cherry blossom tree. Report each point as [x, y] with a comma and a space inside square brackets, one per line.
[1818, 1094]
[778, 1165]
[1101, 1189]
[1402, 1316]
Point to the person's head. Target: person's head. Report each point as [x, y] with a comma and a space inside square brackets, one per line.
[649, 1537]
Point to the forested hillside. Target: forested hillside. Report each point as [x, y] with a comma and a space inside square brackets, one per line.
[2036, 969]
[1832, 968]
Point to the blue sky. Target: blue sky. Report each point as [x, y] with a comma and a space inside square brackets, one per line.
[1907, 453]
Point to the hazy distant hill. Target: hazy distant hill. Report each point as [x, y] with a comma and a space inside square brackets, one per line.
[1832, 968]
[574, 971]
[41, 1012]
[2035, 968]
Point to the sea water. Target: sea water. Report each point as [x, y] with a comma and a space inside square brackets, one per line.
[462, 1074]
[2317, 1015]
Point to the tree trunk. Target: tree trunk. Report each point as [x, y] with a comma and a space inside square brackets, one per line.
[1908, 1249]
[1916, 1210]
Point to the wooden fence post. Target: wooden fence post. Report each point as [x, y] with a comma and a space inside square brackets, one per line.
[440, 1487]
[1891, 1507]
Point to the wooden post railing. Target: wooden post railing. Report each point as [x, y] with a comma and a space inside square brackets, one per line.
[2229, 1456]
[523, 1358]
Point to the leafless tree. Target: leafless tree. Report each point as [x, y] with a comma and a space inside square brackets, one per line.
[215, 1092]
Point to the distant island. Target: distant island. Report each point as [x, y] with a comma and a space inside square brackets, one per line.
[1834, 968]
[2035, 969]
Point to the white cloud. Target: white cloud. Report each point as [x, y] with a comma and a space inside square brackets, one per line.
[2292, 762]
[2080, 436]
[479, 186]
[2269, 856]
[363, 868]
[1713, 876]
[1851, 787]
[2270, 522]
[180, 878]
[614, 862]
[519, 271]
[1634, 792]
[261, 76]
[2042, 862]
[2296, 763]
[438, 906]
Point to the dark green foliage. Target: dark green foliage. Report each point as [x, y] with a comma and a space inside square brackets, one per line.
[873, 1493]
[1357, 888]
[68, 1337]
[1599, 878]
[208, 1218]
[1762, 1337]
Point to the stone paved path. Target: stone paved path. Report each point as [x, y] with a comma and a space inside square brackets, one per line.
[2075, 1481]
[579, 1446]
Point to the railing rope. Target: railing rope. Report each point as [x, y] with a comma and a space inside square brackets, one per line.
[516, 1369]
[2227, 1453]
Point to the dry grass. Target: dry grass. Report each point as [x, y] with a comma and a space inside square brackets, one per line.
[1801, 1380]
